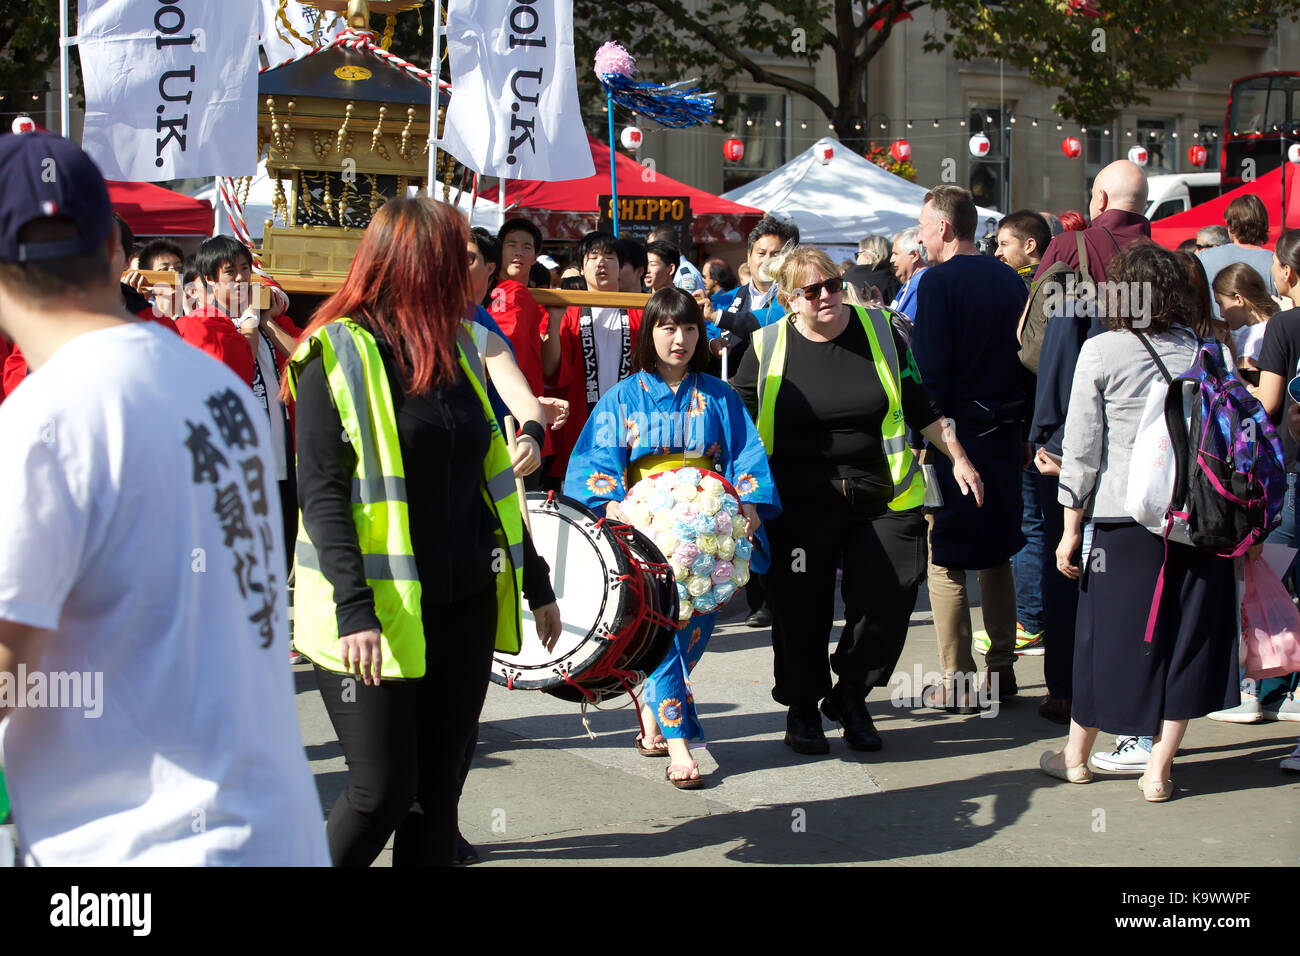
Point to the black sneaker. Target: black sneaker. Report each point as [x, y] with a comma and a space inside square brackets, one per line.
[803, 730]
[760, 618]
[849, 710]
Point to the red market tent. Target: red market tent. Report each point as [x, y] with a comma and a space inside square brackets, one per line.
[153, 211]
[564, 211]
[1171, 231]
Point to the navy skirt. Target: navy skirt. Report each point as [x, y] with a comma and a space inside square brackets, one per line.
[1121, 684]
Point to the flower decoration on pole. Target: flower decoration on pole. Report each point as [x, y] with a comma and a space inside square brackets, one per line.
[1197, 155]
[1071, 147]
[901, 150]
[980, 145]
[675, 106]
[733, 150]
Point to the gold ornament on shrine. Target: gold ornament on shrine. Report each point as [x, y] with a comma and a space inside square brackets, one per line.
[344, 130]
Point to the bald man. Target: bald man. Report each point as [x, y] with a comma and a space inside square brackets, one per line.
[1119, 195]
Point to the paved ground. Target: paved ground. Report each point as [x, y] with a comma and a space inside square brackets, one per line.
[945, 790]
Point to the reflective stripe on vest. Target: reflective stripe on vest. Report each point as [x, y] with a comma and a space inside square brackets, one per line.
[359, 389]
[904, 471]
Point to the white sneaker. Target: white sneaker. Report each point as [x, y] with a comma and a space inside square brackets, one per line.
[1127, 757]
[1292, 763]
[1289, 709]
[1247, 712]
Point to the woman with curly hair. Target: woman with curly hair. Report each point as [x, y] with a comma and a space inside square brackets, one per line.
[1121, 683]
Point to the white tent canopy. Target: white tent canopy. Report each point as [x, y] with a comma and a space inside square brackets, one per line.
[842, 201]
[261, 192]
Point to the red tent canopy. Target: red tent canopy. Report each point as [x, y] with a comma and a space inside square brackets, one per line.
[153, 211]
[566, 210]
[1171, 231]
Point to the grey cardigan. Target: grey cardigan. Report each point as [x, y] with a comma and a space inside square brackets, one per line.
[1111, 381]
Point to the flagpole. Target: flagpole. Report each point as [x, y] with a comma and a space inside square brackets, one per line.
[65, 41]
[435, 68]
[613, 175]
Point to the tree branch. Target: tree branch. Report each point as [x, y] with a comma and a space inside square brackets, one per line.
[728, 49]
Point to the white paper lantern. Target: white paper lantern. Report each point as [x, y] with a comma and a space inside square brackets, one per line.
[825, 152]
[23, 124]
[980, 145]
[1293, 152]
[630, 138]
[1139, 155]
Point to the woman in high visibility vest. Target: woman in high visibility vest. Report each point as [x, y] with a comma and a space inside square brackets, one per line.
[411, 550]
[833, 388]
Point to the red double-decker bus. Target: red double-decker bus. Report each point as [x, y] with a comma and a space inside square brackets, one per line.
[1262, 121]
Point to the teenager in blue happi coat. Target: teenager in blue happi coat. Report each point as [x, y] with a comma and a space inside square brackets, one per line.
[669, 414]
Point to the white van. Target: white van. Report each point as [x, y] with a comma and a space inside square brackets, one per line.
[1167, 195]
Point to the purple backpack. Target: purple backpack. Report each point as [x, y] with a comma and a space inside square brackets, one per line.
[1230, 474]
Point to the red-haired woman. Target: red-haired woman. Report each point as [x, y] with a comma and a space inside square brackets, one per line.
[411, 552]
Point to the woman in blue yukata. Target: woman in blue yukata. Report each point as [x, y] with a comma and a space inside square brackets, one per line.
[669, 414]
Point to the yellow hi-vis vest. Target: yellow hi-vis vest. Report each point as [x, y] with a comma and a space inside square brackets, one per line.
[769, 344]
[359, 388]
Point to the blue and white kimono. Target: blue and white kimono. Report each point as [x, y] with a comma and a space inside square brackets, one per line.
[641, 426]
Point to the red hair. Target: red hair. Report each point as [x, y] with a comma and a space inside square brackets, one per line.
[1072, 220]
[410, 282]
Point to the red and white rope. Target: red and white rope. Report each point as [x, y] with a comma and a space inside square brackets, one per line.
[364, 43]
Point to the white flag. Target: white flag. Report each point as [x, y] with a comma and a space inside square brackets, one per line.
[280, 43]
[514, 91]
[171, 88]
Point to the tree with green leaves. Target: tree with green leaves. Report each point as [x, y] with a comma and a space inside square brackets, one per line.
[29, 45]
[1100, 53]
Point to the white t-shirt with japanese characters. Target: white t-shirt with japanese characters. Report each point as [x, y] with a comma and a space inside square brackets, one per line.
[142, 530]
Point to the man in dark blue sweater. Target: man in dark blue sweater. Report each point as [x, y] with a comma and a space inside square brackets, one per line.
[968, 306]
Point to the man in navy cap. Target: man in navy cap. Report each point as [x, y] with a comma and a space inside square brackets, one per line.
[142, 615]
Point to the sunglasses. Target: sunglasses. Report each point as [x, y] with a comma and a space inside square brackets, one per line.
[814, 291]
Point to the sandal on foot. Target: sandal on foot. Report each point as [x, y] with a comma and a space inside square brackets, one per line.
[935, 697]
[654, 750]
[685, 783]
[1079, 774]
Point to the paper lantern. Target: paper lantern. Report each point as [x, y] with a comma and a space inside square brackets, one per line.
[980, 145]
[23, 124]
[1071, 146]
[734, 150]
[825, 152]
[901, 150]
[1293, 152]
[630, 138]
[1139, 155]
[1197, 155]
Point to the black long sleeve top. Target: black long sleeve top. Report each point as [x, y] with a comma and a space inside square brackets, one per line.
[830, 412]
[443, 438]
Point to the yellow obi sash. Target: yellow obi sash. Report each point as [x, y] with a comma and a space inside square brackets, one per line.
[644, 467]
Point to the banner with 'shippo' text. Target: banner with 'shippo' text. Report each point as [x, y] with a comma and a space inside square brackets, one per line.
[514, 90]
[171, 87]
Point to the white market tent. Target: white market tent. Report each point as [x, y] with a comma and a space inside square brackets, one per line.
[840, 202]
[261, 192]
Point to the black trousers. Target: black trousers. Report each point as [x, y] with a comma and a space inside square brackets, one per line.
[1060, 597]
[883, 557]
[405, 742]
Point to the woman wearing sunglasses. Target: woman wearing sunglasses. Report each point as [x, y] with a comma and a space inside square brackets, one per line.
[833, 388]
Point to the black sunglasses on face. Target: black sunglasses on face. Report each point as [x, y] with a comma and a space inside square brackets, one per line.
[814, 291]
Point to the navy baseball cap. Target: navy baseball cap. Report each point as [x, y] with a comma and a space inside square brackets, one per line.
[46, 175]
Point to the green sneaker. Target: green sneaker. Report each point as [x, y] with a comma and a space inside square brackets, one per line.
[1030, 645]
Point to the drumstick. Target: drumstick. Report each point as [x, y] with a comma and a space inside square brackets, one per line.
[726, 354]
[512, 443]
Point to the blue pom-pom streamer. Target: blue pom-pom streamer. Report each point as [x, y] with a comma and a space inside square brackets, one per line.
[670, 106]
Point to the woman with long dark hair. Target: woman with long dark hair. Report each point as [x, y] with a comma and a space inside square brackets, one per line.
[411, 550]
[670, 414]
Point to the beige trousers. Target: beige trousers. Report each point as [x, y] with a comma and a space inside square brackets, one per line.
[951, 607]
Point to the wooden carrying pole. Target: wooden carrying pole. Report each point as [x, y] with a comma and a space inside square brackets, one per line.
[550, 298]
